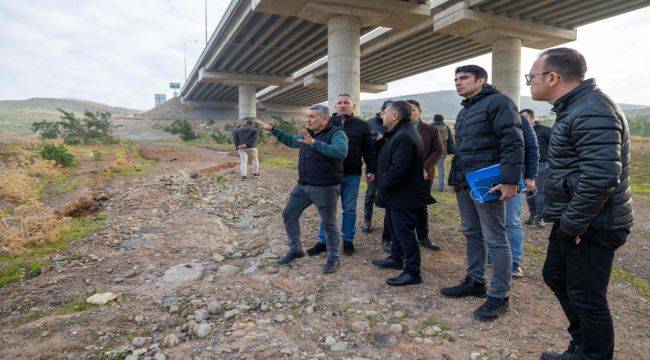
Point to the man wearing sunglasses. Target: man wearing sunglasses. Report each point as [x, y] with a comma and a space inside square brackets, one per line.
[587, 197]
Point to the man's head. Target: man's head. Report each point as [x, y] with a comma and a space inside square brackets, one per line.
[416, 110]
[395, 113]
[317, 117]
[249, 120]
[344, 104]
[528, 114]
[469, 80]
[438, 118]
[555, 73]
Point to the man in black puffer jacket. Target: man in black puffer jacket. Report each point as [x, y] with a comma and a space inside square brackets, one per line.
[587, 197]
[488, 132]
[360, 146]
[402, 191]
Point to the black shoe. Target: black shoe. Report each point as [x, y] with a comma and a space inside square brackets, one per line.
[290, 256]
[530, 220]
[388, 263]
[492, 308]
[539, 222]
[426, 243]
[387, 246]
[367, 227]
[571, 353]
[316, 249]
[330, 266]
[468, 287]
[256, 175]
[348, 248]
[404, 279]
[243, 178]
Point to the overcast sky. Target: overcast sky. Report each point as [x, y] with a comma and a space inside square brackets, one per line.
[121, 52]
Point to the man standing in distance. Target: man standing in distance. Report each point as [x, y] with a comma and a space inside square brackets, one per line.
[320, 174]
[447, 139]
[360, 145]
[587, 197]
[488, 132]
[245, 139]
[536, 202]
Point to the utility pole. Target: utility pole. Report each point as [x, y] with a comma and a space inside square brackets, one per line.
[185, 54]
[206, 22]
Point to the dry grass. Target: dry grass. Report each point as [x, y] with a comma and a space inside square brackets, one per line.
[16, 186]
[44, 169]
[31, 223]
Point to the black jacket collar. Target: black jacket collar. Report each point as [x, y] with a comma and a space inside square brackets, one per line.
[566, 100]
[485, 91]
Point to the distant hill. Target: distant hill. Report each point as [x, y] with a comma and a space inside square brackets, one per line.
[16, 116]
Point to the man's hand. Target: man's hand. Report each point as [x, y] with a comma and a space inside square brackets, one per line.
[564, 236]
[379, 137]
[530, 185]
[242, 146]
[370, 177]
[426, 174]
[306, 138]
[264, 125]
[508, 191]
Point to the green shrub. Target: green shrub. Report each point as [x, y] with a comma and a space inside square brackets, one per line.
[57, 153]
[47, 129]
[183, 128]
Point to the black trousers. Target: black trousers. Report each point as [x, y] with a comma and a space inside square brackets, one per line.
[421, 221]
[369, 201]
[405, 246]
[579, 276]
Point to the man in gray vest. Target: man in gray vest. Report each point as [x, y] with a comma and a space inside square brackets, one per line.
[320, 174]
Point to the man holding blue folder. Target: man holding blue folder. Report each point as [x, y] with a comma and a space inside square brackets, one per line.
[488, 132]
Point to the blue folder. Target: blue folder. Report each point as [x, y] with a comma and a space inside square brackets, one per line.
[482, 180]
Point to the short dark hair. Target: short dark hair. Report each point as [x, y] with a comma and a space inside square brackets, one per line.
[568, 63]
[417, 104]
[528, 111]
[438, 117]
[477, 71]
[383, 106]
[402, 109]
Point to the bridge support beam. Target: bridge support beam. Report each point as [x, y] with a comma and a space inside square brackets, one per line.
[344, 52]
[506, 67]
[247, 101]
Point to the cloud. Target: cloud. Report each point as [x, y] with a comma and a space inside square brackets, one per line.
[122, 52]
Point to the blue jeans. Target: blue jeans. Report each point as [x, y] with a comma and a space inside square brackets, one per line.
[441, 171]
[536, 203]
[514, 230]
[481, 224]
[324, 198]
[349, 194]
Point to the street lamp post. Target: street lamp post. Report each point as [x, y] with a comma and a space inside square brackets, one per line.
[185, 54]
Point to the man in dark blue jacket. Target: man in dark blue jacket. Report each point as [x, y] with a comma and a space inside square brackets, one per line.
[401, 190]
[536, 202]
[488, 132]
[588, 198]
[320, 174]
[245, 139]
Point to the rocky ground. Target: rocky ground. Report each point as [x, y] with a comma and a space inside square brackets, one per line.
[189, 252]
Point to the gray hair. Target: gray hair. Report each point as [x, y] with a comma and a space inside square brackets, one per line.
[346, 94]
[323, 111]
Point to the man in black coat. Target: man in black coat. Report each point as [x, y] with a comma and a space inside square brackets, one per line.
[587, 197]
[536, 203]
[360, 146]
[488, 132]
[401, 190]
[245, 139]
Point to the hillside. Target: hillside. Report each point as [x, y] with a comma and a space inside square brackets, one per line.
[16, 116]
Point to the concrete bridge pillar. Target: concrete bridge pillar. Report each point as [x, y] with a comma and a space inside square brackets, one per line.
[506, 67]
[247, 101]
[344, 52]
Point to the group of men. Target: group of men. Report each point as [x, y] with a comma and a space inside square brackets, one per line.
[580, 168]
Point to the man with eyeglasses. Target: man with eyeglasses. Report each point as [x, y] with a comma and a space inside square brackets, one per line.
[587, 198]
[488, 132]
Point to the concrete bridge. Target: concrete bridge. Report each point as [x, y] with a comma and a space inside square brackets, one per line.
[283, 55]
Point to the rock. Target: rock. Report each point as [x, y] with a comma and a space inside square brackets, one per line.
[309, 310]
[215, 307]
[231, 313]
[286, 351]
[138, 341]
[139, 318]
[203, 330]
[262, 337]
[396, 328]
[380, 339]
[360, 325]
[218, 257]
[339, 346]
[227, 270]
[171, 340]
[329, 340]
[399, 314]
[250, 270]
[239, 333]
[141, 351]
[101, 298]
[131, 357]
[431, 330]
[159, 356]
[200, 315]
[183, 273]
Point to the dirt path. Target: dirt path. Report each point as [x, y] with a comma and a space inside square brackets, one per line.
[232, 302]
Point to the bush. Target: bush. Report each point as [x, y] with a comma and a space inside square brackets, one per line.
[640, 125]
[221, 137]
[183, 128]
[47, 129]
[93, 128]
[57, 153]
